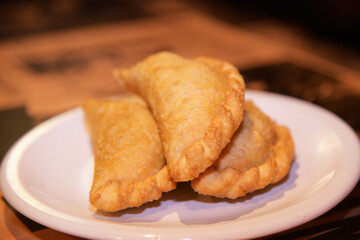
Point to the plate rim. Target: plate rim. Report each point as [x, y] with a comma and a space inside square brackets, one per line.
[10, 194]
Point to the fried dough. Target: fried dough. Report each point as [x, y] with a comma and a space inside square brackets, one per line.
[260, 153]
[198, 105]
[130, 167]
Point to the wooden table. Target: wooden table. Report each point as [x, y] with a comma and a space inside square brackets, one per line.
[47, 70]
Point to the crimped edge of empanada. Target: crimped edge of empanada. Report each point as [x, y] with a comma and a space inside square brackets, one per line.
[232, 183]
[197, 157]
[114, 195]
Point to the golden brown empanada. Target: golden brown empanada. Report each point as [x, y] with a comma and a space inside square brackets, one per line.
[130, 167]
[259, 154]
[198, 105]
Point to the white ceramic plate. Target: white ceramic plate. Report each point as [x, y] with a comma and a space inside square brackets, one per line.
[47, 175]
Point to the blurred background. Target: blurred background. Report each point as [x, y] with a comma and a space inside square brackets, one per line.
[56, 53]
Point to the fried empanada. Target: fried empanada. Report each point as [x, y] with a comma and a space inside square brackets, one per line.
[130, 167]
[260, 153]
[198, 105]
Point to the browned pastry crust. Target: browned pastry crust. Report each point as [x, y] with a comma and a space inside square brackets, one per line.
[115, 195]
[198, 105]
[130, 167]
[260, 153]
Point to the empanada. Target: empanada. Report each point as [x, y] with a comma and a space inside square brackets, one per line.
[198, 105]
[260, 153]
[130, 167]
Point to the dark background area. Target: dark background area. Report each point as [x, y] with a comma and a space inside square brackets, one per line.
[337, 21]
